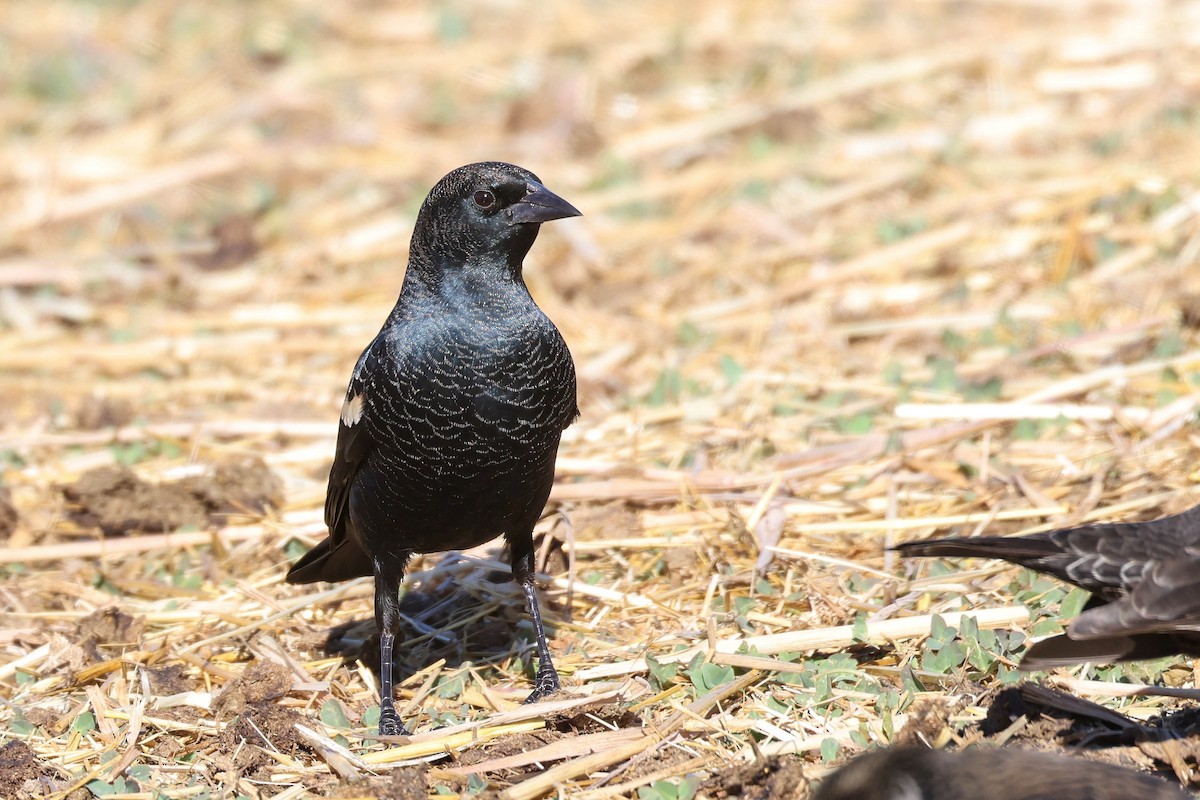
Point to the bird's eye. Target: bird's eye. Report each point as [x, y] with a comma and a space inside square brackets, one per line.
[485, 199]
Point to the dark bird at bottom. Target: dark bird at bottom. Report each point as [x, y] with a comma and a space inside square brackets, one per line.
[982, 773]
[451, 423]
[1144, 578]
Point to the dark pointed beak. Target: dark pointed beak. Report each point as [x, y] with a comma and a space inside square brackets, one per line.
[540, 205]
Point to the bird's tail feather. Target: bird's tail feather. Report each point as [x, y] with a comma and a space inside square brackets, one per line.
[325, 563]
[1015, 549]
[1061, 651]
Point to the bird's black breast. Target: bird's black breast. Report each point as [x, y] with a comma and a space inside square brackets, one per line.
[465, 409]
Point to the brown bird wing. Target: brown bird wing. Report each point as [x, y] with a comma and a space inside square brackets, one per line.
[1070, 648]
[1145, 579]
[1108, 559]
[1165, 600]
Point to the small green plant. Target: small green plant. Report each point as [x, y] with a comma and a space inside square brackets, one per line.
[662, 675]
[838, 671]
[131, 453]
[450, 686]
[707, 676]
[894, 230]
[19, 724]
[101, 788]
[333, 715]
[945, 375]
[731, 369]
[856, 425]
[948, 649]
[370, 718]
[84, 723]
[942, 653]
[682, 789]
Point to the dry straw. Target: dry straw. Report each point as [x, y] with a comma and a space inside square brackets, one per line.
[848, 274]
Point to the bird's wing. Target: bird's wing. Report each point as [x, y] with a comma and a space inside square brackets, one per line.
[1062, 650]
[1166, 599]
[354, 444]
[341, 556]
[1108, 558]
[1118, 554]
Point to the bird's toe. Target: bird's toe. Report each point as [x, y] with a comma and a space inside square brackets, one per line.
[389, 725]
[544, 685]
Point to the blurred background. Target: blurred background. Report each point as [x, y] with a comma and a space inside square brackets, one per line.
[847, 272]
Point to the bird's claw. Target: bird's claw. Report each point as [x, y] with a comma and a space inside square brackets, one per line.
[389, 723]
[544, 685]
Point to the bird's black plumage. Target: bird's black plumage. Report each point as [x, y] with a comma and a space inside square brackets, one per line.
[452, 419]
[1144, 578]
[917, 773]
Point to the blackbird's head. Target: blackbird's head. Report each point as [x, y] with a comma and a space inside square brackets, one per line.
[484, 214]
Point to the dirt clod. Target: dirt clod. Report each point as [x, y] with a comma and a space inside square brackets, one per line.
[265, 726]
[773, 778]
[114, 499]
[404, 783]
[95, 412]
[168, 680]
[107, 633]
[117, 501]
[508, 746]
[21, 773]
[237, 486]
[927, 718]
[235, 243]
[594, 720]
[261, 682]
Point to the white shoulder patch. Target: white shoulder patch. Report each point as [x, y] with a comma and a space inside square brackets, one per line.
[352, 410]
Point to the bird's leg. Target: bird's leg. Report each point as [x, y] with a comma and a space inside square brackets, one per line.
[546, 681]
[387, 617]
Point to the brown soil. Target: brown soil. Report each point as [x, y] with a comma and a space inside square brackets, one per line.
[402, 783]
[266, 726]
[235, 242]
[107, 633]
[773, 778]
[261, 682]
[593, 721]
[169, 680]
[507, 746]
[114, 499]
[244, 486]
[117, 501]
[21, 773]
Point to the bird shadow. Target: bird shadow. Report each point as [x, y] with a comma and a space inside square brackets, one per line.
[1073, 720]
[467, 615]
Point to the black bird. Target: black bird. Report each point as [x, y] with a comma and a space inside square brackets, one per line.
[451, 423]
[1144, 578]
[917, 773]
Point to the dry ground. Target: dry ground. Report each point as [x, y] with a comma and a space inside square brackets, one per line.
[849, 273]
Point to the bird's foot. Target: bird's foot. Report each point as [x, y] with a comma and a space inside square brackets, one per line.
[389, 723]
[545, 684]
